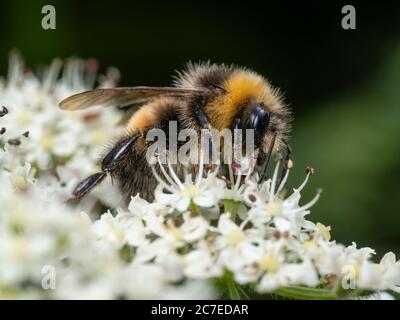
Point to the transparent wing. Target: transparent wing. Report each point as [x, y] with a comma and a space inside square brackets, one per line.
[121, 97]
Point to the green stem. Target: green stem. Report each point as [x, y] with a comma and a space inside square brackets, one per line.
[231, 206]
[304, 293]
[194, 208]
[234, 290]
[343, 293]
[243, 294]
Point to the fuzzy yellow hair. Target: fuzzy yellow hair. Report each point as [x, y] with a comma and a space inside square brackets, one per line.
[241, 87]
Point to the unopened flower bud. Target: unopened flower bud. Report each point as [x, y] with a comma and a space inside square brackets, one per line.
[310, 170]
[14, 142]
[288, 164]
[4, 111]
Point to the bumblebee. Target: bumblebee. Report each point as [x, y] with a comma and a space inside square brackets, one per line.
[203, 96]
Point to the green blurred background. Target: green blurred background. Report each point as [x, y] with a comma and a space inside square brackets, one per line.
[343, 85]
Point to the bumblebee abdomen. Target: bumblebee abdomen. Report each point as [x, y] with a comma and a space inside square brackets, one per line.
[155, 114]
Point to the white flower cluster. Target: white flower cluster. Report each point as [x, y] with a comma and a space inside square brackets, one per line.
[46, 244]
[61, 147]
[198, 232]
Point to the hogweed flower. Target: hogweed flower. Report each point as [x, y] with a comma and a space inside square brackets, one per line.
[201, 227]
[181, 194]
[37, 132]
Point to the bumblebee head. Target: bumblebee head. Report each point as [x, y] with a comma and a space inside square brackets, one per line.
[239, 98]
[248, 101]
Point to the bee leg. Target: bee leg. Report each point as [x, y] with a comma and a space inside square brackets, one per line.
[109, 162]
[265, 165]
[87, 185]
[118, 152]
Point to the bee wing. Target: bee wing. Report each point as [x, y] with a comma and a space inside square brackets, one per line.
[121, 97]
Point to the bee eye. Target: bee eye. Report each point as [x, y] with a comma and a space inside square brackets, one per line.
[259, 120]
